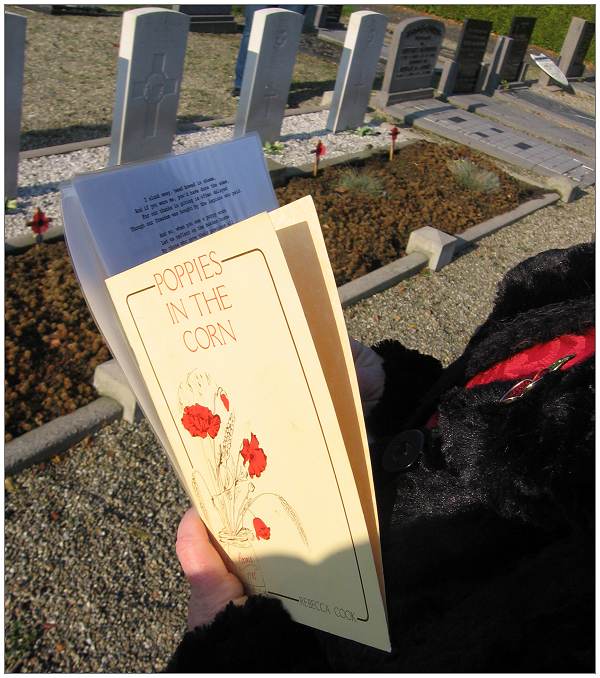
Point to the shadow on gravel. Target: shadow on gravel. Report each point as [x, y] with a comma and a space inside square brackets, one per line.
[75, 133]
[62, 135]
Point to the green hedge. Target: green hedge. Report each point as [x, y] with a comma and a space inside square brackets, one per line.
[550, 28]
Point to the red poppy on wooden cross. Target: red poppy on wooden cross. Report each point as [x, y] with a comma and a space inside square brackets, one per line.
[39, 224]
[394, 135]
[319, 152]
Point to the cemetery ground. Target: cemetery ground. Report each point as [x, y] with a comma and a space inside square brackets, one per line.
[92, 580]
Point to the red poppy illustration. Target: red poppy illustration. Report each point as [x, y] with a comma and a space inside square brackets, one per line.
[252, 453]
[200, 421]
[262, 531]
[225, 401]
[40, 222]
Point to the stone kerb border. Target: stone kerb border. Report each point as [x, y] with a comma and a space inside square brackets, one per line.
[62, 433]
[59, 435]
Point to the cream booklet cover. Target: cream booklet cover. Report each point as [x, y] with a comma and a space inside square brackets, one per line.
[219, 331]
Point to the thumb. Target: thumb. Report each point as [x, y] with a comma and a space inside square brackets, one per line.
[198, 557]
[212, 585]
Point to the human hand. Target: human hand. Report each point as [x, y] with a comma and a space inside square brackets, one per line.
[370, 374]
[212, 585]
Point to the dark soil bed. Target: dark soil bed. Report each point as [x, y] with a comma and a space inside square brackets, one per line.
[53, 346]
[365, 231]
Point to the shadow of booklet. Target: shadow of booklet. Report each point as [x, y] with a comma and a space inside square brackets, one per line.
[234, 342]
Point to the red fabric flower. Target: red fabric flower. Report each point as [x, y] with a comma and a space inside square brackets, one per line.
[40, 222]
[262, 531]
[320, 150]
[252, 453]
[394, 133]
[225, 401]
[200, 421]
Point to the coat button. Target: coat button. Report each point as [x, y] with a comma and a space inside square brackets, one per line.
[403, 451]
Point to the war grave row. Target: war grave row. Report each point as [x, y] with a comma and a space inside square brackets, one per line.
[150, 66]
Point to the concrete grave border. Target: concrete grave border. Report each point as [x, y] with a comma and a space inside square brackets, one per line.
[60, 434]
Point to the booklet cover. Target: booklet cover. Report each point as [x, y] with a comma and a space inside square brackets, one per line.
[221, 339]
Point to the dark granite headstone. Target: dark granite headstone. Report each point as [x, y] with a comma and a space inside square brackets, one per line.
[469, 55]
[575, 47]
[328, 16]
[209, 18]
[412, 57]
[521, 30]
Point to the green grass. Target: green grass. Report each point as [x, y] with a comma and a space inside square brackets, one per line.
[550, 29]
[359, 182]
[475, 178]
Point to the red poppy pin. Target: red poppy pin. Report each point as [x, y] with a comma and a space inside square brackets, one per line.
[40, 222]
[320, 149]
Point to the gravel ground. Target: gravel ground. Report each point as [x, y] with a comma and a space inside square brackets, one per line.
[91, 579]
[581, 102]
[40, 178]
[92, 582]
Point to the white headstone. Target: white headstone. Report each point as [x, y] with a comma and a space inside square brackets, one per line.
[362, 47]
[15, 27]
[151, 56]
[272, 48]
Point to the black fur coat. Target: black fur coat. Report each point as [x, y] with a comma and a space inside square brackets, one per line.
[488, 540]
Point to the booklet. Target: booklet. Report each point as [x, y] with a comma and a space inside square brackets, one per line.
[236, 348]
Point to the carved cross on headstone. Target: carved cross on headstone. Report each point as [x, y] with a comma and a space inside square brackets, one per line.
[153, 90]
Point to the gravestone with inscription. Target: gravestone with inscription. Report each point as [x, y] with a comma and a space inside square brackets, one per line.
[574, 49]
[521, 30]
[356, 72]
[151, 56]
[412, 57]
[15, 27]
[466, 72]
[268, 72]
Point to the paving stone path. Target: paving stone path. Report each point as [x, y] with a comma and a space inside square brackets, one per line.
[495, 139]
[532, 122]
